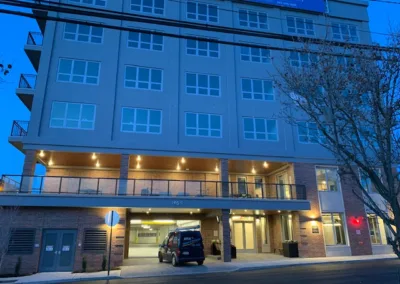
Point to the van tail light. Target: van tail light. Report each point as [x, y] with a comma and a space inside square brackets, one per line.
[178, 252]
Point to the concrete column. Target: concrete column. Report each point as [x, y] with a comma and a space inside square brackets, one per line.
[28, 170]
[123, 174]
[224, 176]
[225, 234]
[127, 234]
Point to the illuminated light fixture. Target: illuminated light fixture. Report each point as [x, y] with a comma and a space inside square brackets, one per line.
[198, 210]
[279, 211]
[263, 213]
[97, 164]
[178, 167]
[245, 210]
[51, 162]
[191, 213]
[323, 182]
[136, 222]
[151, 229]
[265, 165]
[147, 212]
[149, 209]
[41, 154]
[216, 169]
[146, 227]
[138, 158]
[233, 213]
[183, 160]
[137, 166]
[253, 170]
[94, 157]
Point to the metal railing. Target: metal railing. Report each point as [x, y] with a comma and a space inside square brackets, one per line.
[34, 38]
[27, 81]
[152, 187]
[19, 128]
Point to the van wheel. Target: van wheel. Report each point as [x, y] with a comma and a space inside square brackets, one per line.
[174, 261]
[160, 258]
[200, 262]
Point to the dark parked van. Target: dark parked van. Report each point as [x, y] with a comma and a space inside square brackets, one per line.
[182, 245]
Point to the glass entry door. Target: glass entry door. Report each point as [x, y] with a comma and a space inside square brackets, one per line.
[243, 235]
[283, 188]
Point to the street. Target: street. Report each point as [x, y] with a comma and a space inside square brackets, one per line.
[367, 272]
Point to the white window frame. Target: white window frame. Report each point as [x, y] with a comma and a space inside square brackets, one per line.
[320, 137]
[250, 53]
[378, 230]
[82, 2]
[266, 133]
[71, 75]
[79, 120]
[149, 82]
[134, 124]
[343, 217]
[197, 49]
[257, 24]
[197, 87]
[140, 42]
[142, 8]
[344, 37]
[198, 128]
[197, 15]
[338, 181]
[253, 94]
[296, 28]
[77, 34]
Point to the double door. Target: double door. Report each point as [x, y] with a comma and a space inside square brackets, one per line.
[58, 250]
[244, 236]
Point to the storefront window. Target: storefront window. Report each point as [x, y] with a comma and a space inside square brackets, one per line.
[333, 229]
[327, 179]
[377, 230]
[287, 227]
[264, 231]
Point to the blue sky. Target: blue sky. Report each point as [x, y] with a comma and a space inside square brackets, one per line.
[13, 34]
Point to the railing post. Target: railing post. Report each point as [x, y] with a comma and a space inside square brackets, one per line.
[276, 189]
[116, 186]
[201, 188]
[134, 186]
[216, 189]
[98, 186]
[59, 189]
[41, 185]
[79, 185]
[151, 187]
[184, 188]
[168, 188]
[262, 190]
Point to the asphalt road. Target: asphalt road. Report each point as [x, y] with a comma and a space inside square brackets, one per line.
[367, 272]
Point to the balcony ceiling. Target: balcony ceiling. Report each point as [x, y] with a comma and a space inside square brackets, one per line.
[67, 159]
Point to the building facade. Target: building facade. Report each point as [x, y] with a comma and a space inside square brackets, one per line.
[171, 132]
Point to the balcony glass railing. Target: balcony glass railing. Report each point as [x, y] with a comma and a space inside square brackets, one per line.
[27, 81]
[19, 128]
[150, 187]
[34, 38]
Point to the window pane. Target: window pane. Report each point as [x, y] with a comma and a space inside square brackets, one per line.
[73, 111]
[144, 75]
[93, 69]
[79, 68]
[128, 115]
[58, 110]
[156, 76]
[141, 116]
[130, 73]
[260, 125]
[155, 117]
[329, 235]
[88, 112]
[339, 229]
[321, 179]
[65, 66]
[190, 120]
[203, 121]
[215, 122]
[248, 124]
[271, 126]
[332, 182]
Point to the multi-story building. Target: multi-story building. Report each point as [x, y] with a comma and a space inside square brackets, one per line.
[172, 131]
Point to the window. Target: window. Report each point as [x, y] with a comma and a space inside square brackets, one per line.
[155, 7]
[366, 181]
[333, 225]
[299, 59]
[72, 115]
[260, 129]
[345, 32]
[287, 227]
[202, 12]
[202, 48]
[300, 26]
[141, 120]
[78, 71]
[145, 41]
[258, 187]
[101, 3]
[252, 19]
[83, 33]
[264, 230]
[327, 179]
[21, 241]
[94, 241]
[202, 84]
[377, 230]
[143, 78]
[206, 125]
[256, 89]
[254, 54]
[309, 133]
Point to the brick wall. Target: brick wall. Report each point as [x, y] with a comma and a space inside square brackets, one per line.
[208, 226]
[359, 238]
[66, 218]
[310, 244]
[275, 232]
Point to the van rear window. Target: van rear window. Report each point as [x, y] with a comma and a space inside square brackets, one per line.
[191, 239]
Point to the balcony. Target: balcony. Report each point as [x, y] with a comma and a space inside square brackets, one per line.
[33, 48]
[18, 131]
[26, 89]
[155, 193]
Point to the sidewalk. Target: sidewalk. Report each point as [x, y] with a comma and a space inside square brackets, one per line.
[165, 269]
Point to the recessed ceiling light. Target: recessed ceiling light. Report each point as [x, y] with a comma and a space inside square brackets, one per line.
[265, 165]
[51, 162]
[216, 169]
[97, 164]
[178, 167]
[138, 166]
[41, 154]
[183, 160]
[94, 157]
[138, 158]
[253, 171]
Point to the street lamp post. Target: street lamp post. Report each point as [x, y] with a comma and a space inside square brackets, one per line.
[112, 219]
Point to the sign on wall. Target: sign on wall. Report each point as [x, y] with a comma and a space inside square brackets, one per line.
[309, 5]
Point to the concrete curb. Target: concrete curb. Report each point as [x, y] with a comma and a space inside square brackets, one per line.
[75, 280]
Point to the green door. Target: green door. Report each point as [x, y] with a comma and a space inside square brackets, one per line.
[58, 250]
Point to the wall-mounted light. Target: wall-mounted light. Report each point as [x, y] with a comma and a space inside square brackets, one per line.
[138, 158]
[191, 213]
[216, 169]
[253, 171]
[265, 165]
[356, 221]
[178, 167]
[97, 164]
[94, 157]
[183, 160]
[41, 154]
[50, 163]
[138, 166]
[279, 211]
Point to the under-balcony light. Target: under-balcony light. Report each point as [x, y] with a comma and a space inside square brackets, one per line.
[97, 164]
[50, 162]
[183, 160]
[265, 165]
[253, 171]
[138, 158]
[178, 167]
[138, 166]
[216, 169]
[94, 157]
[41, 154]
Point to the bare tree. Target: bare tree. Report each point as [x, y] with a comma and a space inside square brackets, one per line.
[347, 99]
[7, 218]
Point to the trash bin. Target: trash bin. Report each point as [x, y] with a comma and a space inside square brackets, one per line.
[216, 248]
[233, 251]
[290, 249]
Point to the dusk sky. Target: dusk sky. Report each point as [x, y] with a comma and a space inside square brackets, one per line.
[13, 34]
